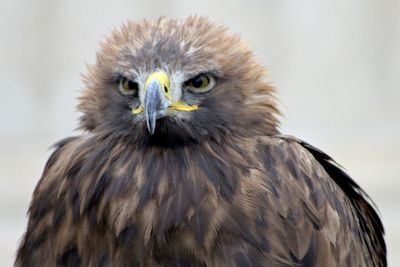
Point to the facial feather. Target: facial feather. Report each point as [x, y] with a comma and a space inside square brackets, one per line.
[181, 49]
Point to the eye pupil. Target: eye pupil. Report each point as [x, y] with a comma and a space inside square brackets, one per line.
[199, 81]
[128, 87]
[165, 89]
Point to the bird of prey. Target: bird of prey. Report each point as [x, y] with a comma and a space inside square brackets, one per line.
[181, 163]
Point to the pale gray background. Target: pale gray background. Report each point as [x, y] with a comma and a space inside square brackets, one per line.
[335, 63]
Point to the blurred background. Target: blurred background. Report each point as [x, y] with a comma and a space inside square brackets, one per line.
[336, 65]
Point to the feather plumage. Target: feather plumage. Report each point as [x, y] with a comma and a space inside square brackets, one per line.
[218, 187]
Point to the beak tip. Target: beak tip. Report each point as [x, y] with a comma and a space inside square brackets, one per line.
[151, 127]
[151, 123]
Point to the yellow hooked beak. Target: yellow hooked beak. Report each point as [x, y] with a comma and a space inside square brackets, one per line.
[158, 101]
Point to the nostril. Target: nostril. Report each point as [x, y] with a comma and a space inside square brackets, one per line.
[165, 89]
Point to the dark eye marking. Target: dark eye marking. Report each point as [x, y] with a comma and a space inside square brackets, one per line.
[128, 87]
[201, 83]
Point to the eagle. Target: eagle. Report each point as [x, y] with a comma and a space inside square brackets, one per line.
[180, 162]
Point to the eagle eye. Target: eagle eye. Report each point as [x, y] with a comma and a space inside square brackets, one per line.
[201, 83]
[128, 87]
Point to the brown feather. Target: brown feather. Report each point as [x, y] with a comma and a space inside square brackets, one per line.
[220, 187]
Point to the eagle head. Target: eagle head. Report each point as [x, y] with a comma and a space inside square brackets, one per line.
[174, 82]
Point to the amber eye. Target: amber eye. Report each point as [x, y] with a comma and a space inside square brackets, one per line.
[200, 84]
[127, 87]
